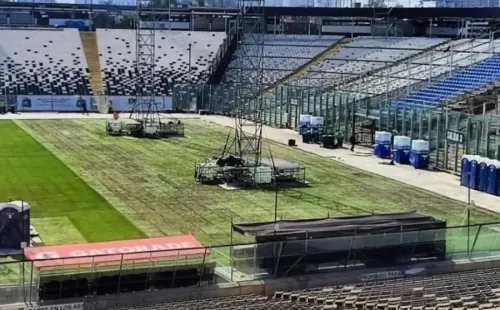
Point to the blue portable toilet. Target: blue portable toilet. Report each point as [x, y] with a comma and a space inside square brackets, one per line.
[401, 149]
[494, 177]
[498, 179]
[317, 122]
[304, 123]
[464, 170]
[382, 147]
[419, 154]
[483, 174]
[474, 172]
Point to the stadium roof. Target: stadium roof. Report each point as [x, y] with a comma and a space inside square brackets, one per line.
[401, 13]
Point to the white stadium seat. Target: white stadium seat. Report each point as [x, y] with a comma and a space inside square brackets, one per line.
[117, 48]
[281, 55]
[362, 55]
[43, 62]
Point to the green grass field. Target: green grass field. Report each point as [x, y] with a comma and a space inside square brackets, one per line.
[85, 186]
[149, 188]
[31, 173]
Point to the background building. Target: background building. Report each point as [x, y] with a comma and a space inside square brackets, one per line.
[467, 3]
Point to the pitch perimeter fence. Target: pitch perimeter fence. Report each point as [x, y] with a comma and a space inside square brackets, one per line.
[347, 112]
[28, 281]
[351, 112]
[76, 103]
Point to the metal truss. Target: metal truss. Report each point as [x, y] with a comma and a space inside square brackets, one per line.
[248, 105]
[145, 108]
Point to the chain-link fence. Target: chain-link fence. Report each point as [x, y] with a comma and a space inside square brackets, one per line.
[351, 113]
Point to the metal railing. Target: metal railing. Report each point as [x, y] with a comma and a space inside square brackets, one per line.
[342, 110]
[28, 281]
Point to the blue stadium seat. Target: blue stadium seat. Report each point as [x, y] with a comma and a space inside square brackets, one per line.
[470, 79]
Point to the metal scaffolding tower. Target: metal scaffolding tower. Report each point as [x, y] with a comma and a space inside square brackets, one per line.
[145, 108]
[144, 119]
[240, 163]
[249, 103]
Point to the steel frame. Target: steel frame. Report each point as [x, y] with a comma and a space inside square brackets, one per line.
[248, 105]
[145, 108]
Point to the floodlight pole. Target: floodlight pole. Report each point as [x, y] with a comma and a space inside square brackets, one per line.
[468, 216]
[468, 191]
[468, 230]
[275, 198]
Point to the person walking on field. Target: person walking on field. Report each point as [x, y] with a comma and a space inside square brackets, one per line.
[352, 140]
[394, 133]
[84, 109]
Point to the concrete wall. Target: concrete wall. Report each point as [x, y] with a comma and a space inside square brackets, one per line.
[268, 287]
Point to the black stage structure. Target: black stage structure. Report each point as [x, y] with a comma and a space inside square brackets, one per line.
[295, 246]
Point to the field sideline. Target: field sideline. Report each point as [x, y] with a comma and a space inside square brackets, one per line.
[151, 184]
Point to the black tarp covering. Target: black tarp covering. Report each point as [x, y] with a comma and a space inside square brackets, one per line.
[372, 239]
[342, 226]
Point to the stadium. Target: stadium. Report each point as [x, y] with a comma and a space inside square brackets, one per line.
[249, 155]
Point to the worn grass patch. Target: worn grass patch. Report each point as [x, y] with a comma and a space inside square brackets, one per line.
[57, 230]
[28, 171]
[151, 183]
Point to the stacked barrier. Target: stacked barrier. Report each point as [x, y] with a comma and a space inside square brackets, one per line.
[480, 173]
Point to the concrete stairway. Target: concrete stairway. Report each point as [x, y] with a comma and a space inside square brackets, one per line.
[334, 48]
[89, 43]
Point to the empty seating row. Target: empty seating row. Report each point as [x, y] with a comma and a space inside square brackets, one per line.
[466, 81]
[472, 290]
[179, 57]
[277, 56]
[362, 55]
[243, 302]
[476, 290]
[422, 68]
[43, 62]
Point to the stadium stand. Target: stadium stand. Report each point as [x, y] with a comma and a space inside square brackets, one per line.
[281, 54]
[430, 66]
[478, 290]
[362, 55]
[469, 80]
[43, 62]
[243, 302]
[175, 51]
